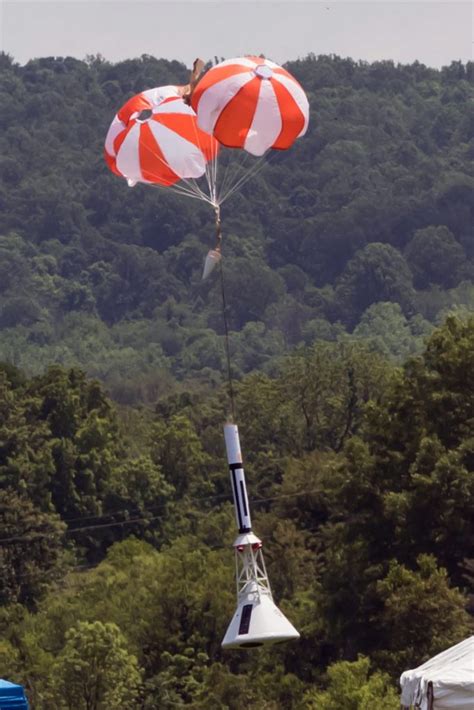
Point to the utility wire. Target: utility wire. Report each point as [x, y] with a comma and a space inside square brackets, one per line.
[143, 519]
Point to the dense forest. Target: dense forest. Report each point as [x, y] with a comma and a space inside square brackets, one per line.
[117, 530]
[349, 272]
[364, 227]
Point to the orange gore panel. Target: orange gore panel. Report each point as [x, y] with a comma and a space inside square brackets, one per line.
[111, 163]
[292, 117]
[121, 137]
[185, 125]
[152, 162]
[135, 104]
[236, 118]
[213, 76]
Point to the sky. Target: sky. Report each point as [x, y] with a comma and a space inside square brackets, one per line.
[434, 33]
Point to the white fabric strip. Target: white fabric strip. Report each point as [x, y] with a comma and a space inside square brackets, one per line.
[183, 157]
[298, 96]
[116, 127]
[156, 96]
[266, 125]
[128, 160]
[174, 107]
[216, 97]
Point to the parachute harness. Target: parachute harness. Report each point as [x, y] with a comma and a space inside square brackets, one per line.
[217, 212]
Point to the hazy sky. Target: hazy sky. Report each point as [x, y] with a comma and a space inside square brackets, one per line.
[435, 33]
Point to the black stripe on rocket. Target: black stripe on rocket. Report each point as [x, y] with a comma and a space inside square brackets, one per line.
[240, 497]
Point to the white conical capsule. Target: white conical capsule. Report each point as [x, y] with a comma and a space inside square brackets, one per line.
[212, 259]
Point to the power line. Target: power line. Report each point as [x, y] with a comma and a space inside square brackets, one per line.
[144, 519]
[117, 511]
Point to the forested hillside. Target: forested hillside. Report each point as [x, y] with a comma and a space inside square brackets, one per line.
[363, 227]
[116, 532]
[349, 272]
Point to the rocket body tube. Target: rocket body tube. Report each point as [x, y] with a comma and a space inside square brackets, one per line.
[237, 477]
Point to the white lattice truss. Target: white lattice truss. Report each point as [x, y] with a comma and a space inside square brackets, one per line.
[251, 574]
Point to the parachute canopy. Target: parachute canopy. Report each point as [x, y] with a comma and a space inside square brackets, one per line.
[170, 136]
[251, 103]
[154, 138]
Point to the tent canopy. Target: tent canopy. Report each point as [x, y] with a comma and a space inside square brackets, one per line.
[12, 696]
[448, 677]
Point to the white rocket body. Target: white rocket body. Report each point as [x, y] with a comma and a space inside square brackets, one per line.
[257, 621]
[237, 478]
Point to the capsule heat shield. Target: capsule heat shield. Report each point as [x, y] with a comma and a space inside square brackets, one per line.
[257, 621]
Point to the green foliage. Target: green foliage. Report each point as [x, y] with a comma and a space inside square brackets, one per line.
[327, 389]
[117, 524]
[422, 441]
[384, 328]
[404, 488]
[351, 457]
[32, 551]
[376, 273]
[435, 256]
[178, 451]
[352, 688]
[373, 205]
[59, 439]
[94, 671]
[421, 614]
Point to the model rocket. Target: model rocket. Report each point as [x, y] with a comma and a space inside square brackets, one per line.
[257, 620]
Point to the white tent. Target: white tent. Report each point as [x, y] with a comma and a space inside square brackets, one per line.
[445, 681]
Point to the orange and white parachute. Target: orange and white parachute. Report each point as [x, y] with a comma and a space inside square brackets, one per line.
[251, 103]
[171, 136]
[154, 138]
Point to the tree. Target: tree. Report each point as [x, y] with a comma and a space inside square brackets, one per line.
[384, 328]
[32, 553]
[333, 214]
[422, 615]
[177, 449]
[350, 687]
[403, 487]
[137, 489]
[327, 388]
[94, 671]
[376, 273]
[83, 438]
[250, 288]
[26, 462]
[360, 466]
[434, 257]
[419, 439]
